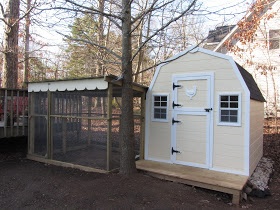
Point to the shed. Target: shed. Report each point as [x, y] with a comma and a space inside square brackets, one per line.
[76, 123]
[203, 110]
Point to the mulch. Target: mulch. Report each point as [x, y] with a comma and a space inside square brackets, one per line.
[26, 184]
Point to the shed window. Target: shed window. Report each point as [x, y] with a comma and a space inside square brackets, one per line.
[160, 103]
[229, 109]
[274, 37]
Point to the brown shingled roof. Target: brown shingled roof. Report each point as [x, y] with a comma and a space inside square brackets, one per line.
[255, 92]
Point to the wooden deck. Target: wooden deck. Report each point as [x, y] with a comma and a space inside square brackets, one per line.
[213, 180]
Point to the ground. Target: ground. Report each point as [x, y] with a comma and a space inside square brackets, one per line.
[26, 184]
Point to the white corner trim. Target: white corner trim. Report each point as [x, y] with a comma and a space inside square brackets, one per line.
[247, 117]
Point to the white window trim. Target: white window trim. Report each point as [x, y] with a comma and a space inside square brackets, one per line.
[167, 107]
[238, 123]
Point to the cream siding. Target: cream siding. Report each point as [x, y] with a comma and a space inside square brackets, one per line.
[228, 142]
[256, 133]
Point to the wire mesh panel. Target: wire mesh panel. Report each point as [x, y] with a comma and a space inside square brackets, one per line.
[40, 135]
[79, 127]
[38, 123]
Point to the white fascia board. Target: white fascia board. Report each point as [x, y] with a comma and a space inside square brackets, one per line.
[247, 118]
[69, 85]
[192, 49]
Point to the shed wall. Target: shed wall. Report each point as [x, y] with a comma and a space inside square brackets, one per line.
[256, 133]
[229, 142]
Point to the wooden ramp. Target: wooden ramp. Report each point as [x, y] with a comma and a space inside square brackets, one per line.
[213, 180]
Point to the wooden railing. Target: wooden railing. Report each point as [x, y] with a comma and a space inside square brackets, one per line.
[13, 113]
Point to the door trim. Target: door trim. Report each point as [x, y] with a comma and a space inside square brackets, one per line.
[195, 111]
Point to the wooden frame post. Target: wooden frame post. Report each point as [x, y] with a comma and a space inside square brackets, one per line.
[89, 120]
[31, 122]
[142, 130]
[5, 112]
[109, 126]
[49, 127]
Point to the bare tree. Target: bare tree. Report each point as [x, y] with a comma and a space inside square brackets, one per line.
[10, 51]
[128, 19]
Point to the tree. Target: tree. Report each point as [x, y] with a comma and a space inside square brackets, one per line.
[126, 20]
[251, 46]
[10, 51]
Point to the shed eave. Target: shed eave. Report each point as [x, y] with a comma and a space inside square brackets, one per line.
[69, 85]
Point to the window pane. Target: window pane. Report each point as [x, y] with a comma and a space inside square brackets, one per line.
[156, 115]
[224, 104]
[163, 111]
[233, 98]
[157, 104]
[157, 98]
[156, 110]
[163, 103]
[274, 36]
[224, 112]
[163, 98]
[273, 44]
[233, 105]
[233, 119]
[224, 118]
[224, 98]
[163, 116]
[233, 112]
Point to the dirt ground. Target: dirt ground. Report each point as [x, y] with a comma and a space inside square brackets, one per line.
[26, 184]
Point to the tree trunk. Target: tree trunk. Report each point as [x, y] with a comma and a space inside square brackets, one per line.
[127, 162]
[26, 50]
[10, 61]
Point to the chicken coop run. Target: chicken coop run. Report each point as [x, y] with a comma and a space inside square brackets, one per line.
[76, 123]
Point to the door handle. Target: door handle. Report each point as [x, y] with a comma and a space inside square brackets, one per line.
[208, 109]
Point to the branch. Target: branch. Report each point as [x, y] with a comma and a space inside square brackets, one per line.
[162, 28]
[2, 9]
[170, 60]
[107, 15]
[91, 43]
[151, 9]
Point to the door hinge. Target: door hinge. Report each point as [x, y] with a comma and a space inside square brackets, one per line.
[176, 86]
[208, 109]
[173, 105]
[174, 151]
[175, 121]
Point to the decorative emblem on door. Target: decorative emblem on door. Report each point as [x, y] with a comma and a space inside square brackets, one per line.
[191, 92]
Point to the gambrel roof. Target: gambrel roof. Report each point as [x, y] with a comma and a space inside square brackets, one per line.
[255, 92]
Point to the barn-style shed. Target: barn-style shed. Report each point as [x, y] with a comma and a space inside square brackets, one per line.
[75, 123]
[204, 111]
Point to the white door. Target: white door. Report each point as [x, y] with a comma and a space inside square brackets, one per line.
[192, 120]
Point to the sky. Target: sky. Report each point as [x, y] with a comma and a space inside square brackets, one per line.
[234, 12]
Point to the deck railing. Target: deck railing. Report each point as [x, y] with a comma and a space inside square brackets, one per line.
[13, 112]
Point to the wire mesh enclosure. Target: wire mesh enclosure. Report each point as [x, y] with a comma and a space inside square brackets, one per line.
[13, 112]
[81, 126]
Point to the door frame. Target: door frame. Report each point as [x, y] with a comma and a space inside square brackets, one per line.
[209, 76]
